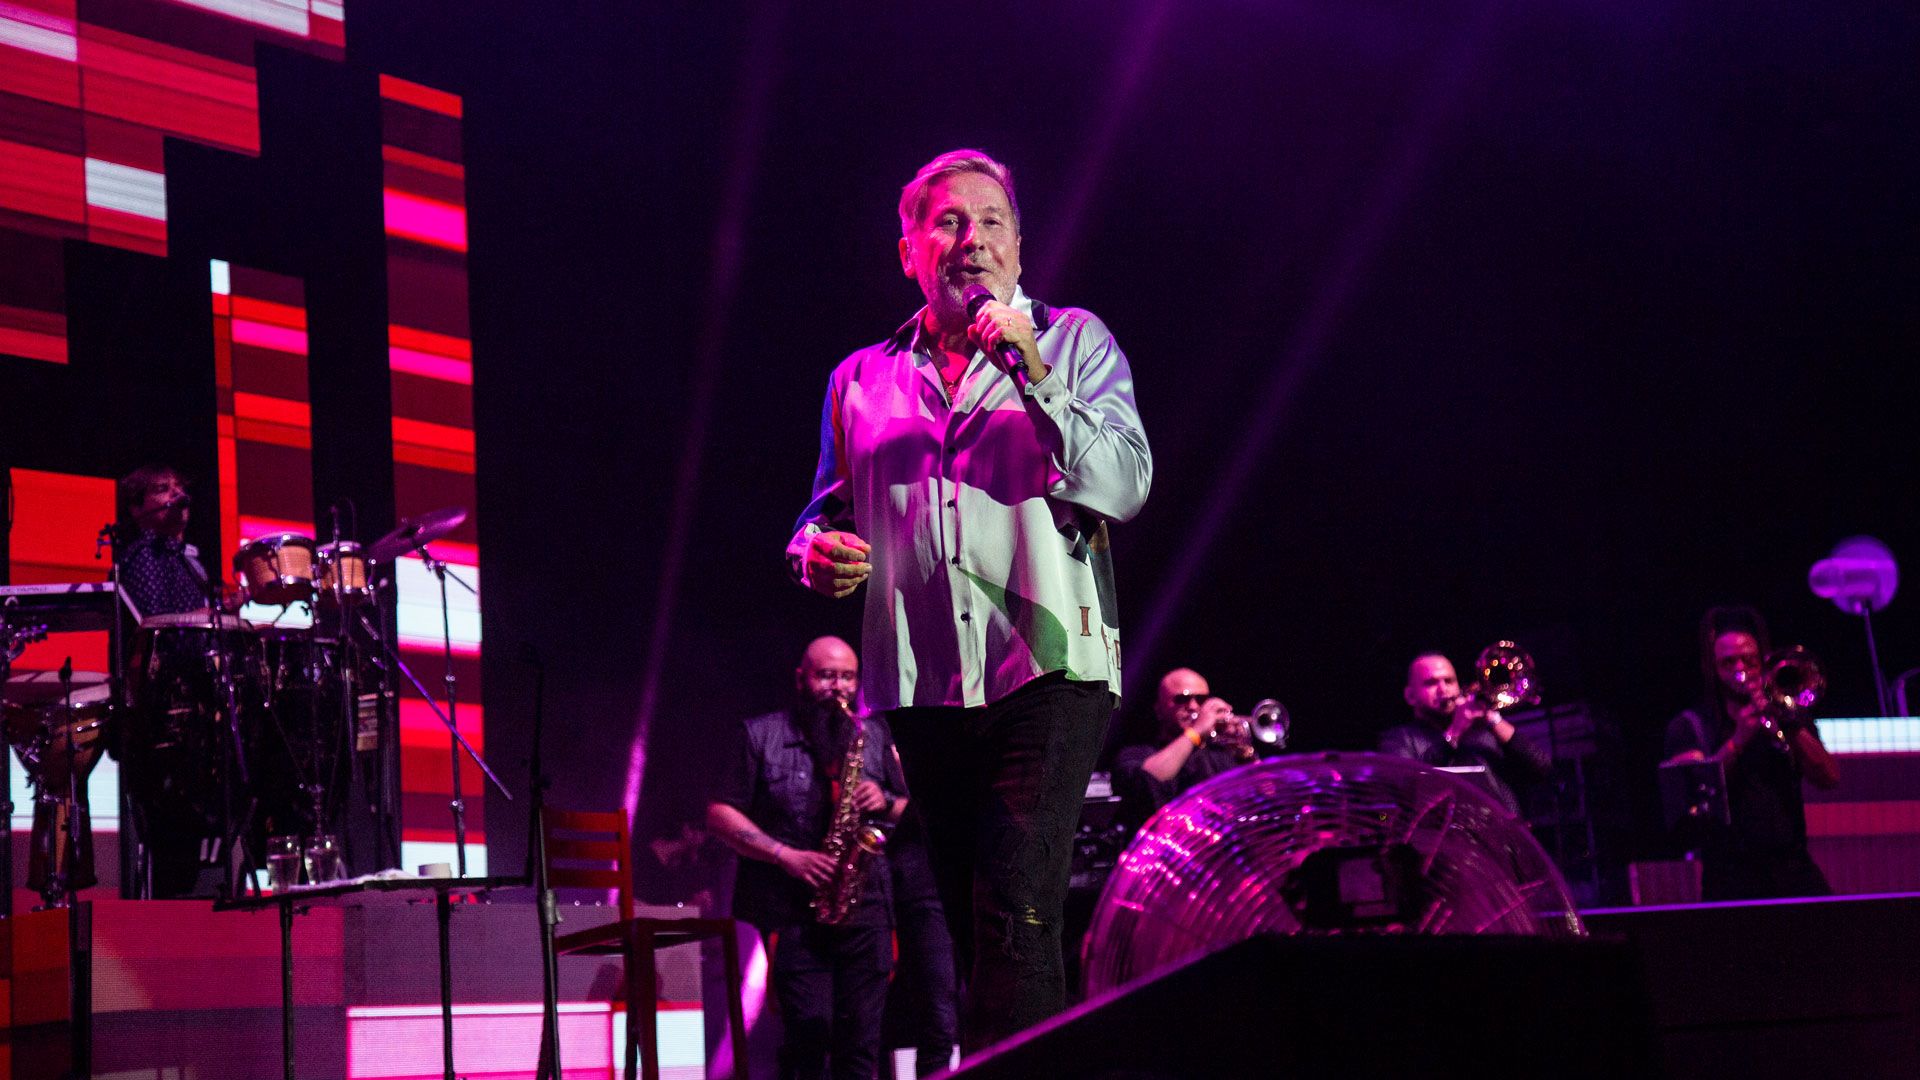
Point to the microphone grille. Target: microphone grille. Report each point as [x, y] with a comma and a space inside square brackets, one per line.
[976, 295]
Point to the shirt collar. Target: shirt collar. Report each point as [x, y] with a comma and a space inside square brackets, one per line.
[149, 538]
[911, 337]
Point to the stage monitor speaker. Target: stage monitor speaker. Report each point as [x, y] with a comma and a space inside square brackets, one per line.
[1278, 1006]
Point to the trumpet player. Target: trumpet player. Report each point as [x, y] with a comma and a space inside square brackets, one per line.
[1186, 715]
[1451, 729]
[1766, 751]
[773, 808]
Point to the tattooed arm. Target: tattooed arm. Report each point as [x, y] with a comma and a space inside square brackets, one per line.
[749, 841]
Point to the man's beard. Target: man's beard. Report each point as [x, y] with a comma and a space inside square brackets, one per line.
[948, 305]
[823, 726]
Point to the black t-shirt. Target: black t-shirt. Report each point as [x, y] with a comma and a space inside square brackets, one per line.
[772, 778]
[1517, 761]
[1141, 793]
[1764, 795]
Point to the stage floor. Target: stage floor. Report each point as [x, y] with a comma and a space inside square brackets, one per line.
[1765, 989]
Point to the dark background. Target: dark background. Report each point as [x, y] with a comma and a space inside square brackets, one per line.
[1454, 322]
[1557, 322]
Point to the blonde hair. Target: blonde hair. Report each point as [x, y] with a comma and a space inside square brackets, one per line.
[913, 197]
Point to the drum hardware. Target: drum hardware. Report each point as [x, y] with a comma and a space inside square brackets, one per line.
[366, 720]
[238, 803]
[17, 639]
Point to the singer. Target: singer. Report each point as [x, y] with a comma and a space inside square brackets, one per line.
[969, 467]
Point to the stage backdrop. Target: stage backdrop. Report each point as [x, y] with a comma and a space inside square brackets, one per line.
[1449, 323]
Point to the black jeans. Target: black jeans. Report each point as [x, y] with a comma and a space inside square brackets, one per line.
[831, 982]
[1000, 790]
[923, 1007]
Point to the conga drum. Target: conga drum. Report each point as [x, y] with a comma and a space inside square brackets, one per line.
[277, 569]
[57, 726]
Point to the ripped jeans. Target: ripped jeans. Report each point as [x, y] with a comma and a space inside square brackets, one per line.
[1000, 789]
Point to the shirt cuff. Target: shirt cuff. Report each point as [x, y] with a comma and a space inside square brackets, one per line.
[1050, 393]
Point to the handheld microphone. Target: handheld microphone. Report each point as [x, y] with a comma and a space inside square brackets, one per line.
[978, 296]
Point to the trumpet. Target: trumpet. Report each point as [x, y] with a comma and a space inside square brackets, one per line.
[1266, 725]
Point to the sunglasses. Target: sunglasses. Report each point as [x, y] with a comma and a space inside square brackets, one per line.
[1187, 699]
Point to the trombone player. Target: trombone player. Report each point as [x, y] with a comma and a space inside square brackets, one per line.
[1766, 750]
[1452, 730]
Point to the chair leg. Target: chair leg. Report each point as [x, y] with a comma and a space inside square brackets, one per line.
[736, 1007]
[650, 1024]
[631, 971]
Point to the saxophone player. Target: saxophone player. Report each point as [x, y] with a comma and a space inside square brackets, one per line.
[779, 795]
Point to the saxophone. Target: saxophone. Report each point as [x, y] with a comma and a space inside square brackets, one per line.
[852, 841]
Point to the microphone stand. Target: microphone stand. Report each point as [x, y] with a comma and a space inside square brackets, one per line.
[549, 910]
[460, 741]
[459, 804]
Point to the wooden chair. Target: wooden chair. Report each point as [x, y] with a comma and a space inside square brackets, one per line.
[592, 850]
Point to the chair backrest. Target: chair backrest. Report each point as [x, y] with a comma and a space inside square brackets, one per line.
[590, 849]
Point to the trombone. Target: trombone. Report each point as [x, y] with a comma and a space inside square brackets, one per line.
[1789, 685]
[1504, 678]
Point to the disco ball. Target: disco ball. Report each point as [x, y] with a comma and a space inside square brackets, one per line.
[1321, 844]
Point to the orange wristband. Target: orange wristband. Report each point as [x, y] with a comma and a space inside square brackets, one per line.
[1194, 738]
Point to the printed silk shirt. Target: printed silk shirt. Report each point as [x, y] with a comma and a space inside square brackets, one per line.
[163, 575]
[988, 515]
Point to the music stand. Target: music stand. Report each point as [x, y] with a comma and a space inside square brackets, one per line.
[1694, 791]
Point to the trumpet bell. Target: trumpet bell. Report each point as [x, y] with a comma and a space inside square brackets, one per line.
[1269, 723]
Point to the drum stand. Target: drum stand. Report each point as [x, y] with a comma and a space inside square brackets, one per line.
[234, 850]
[361, 728]
[58, 892]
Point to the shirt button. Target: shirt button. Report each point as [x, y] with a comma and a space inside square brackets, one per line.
[951, 503]
[966, 616]
[956, 560]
